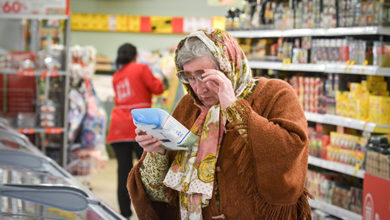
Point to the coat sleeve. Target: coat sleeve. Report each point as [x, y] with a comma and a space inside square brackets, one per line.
[274, 128]
[154, 84]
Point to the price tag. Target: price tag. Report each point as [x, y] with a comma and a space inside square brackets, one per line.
[76, 22]
[121, 23]
[52, 74]
[53, 130]
[219, 22]
[191, 24]
[26, 73]
[286, 63]
[134, 23]
[357, 168]
[13, 7]
[26, 131]
[161, 24]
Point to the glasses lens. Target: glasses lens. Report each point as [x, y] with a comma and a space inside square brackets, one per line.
[181, 75]
[187, 77]
[198, 74]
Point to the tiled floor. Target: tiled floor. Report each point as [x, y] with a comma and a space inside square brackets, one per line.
[103, 183]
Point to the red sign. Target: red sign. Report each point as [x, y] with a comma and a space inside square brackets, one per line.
[34, 7]
[376, 198]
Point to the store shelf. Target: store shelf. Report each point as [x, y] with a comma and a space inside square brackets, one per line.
[286, 67]
[334, 210]
[347, 122]
[326, 68]
[357, 69]
[54, 130]
[32, 73]
[31, 16]
[321, 32]
[338, 167]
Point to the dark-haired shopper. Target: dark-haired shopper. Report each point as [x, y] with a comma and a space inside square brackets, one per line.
[133, 85]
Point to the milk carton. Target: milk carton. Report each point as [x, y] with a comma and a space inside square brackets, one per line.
[163, 126]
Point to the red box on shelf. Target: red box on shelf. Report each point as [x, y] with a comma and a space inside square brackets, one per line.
[21, 93]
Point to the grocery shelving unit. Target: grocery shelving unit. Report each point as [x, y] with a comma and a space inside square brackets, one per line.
[63, 72]
[322, 68]
[347, 122]
[335, 210]
[317, 32]
[339, 167]
[327, 68]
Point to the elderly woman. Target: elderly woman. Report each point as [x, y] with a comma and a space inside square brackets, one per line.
[250, 160]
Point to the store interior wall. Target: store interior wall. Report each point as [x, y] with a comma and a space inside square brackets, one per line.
[107, 43]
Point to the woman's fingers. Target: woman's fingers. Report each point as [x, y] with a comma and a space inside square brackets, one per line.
[139, 131]
[148, 142]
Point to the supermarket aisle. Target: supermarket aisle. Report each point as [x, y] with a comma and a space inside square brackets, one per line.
[104, 185]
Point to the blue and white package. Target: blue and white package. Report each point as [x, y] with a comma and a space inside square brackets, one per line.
[162, 125]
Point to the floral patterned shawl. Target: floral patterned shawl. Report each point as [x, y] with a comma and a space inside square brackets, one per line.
[192, 172]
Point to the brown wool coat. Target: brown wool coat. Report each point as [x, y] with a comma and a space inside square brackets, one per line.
[261, 177]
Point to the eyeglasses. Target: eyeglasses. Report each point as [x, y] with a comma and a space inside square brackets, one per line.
[189, 77]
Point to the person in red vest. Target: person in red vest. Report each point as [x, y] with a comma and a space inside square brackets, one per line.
[133, 85]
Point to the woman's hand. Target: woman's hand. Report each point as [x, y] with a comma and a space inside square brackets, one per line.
[220, 84]
[148, 142]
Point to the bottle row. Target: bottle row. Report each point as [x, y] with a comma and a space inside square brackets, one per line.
[378, 156]
[335, 189]
[366, 100]
[256, 14]
[319, 50]
[30, 102]
[326, 143]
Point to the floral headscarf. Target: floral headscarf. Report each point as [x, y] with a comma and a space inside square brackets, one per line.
[192, 173]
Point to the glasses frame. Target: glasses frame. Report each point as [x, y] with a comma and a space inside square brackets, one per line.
[182, 75]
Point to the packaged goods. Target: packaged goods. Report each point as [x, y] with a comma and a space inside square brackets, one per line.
[160, 124]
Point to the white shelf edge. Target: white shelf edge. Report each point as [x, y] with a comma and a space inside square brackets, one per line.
[326, 68]
[334, 210]
[340, 31]
[344, 121]
[31, 16]
[13, 71]
[339, 167]
[41, 130]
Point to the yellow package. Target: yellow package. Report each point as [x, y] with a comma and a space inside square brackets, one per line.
[377, 86]
[362, 106]
[375, 78]
[379, 109]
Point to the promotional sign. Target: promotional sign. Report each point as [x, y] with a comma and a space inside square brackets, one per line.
[191, 24]
[376, 198]
[144, 24]
[161, 24]
[225, 2]
[34, 7]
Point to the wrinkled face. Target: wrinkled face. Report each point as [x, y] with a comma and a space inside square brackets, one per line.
[207, 96]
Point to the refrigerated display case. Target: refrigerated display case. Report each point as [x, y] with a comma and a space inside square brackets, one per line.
[33, 186]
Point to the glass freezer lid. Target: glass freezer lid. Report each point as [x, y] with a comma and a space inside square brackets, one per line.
[50, 202]
[31, 161]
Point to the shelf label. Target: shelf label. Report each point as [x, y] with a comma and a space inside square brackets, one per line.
[26, 73]
[160, 24]
[121, 23]
[51, 74]
[26, 131]
[34, 7]
[53, 130]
